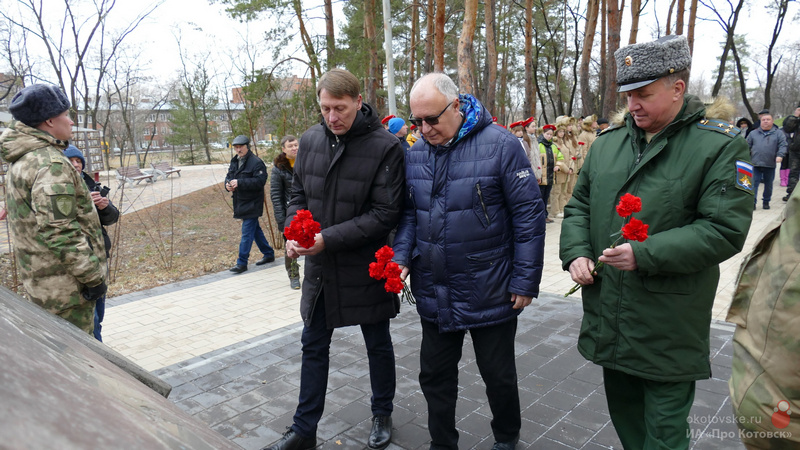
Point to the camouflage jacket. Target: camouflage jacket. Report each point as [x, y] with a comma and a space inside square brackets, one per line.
[766, 347]
[54, 226]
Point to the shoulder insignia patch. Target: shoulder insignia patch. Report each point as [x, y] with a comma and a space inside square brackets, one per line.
[718, 126]
[56, 158]
[744, 176]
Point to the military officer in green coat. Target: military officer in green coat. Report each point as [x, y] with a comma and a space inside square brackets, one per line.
[647, 311]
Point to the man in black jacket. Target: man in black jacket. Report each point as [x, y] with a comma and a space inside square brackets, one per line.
[349, 174]
[246, 178]
[791, 126]
[109, 215]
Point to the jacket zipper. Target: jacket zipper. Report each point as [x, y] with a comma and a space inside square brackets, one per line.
[483, 204]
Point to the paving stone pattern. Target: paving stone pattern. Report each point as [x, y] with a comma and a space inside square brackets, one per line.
[248, 391]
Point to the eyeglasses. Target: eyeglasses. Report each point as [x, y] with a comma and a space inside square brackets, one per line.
[433, 120]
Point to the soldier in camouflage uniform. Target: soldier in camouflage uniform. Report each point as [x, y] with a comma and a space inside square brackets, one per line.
[765, 386]
[54, 226]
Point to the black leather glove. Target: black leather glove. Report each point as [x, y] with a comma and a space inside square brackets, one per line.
[95, 293]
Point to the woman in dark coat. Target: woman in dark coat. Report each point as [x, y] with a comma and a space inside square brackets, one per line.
[280, 191]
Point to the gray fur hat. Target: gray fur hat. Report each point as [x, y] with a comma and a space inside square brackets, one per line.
[640, 64]
[241, 140]
[37, 103]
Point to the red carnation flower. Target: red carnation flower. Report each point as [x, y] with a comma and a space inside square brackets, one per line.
[581, 143]
[628, 205]
[376, 270]
[393, 285]
[635, 230]
[385, 254]
[303, 229]
[574, 158]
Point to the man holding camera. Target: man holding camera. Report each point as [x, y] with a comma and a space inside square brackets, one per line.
[108, 213]
[54, 225]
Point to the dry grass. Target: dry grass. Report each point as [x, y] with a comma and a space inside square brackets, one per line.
[190, 236]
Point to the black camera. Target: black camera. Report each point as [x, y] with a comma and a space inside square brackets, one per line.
[103, 190]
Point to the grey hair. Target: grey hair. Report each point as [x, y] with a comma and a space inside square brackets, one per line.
[441, 82]
[670, 79]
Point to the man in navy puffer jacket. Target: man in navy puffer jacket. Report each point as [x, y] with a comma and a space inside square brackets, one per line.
[472, 238]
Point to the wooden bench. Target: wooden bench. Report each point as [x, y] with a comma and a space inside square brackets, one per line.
[131, 175]
[164, 169]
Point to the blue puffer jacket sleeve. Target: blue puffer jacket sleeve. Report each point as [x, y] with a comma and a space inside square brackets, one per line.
[472, 231]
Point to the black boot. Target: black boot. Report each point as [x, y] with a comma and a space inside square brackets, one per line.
[506, 445]
[293, 441]
[238, 269]
[381, 433]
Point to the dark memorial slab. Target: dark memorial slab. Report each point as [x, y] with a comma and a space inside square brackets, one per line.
[59, 389]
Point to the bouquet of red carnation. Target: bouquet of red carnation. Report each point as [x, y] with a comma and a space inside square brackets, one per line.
[302, 229]
[386, 269]
[633, 229]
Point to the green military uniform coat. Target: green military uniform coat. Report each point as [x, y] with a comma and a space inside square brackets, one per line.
[54, 226]
[654, 322]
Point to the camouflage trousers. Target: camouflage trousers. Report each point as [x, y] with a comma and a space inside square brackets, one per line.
[82, 316]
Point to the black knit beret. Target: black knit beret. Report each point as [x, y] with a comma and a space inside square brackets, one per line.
[37, 103]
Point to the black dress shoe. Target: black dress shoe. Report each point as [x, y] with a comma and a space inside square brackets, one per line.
[506, 445]
[381, 433]
[264, 260]
[238, 269]
[293, 441]
[766, 205]
[786, 198]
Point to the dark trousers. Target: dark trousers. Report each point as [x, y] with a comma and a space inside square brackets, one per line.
[316, 340]
[545, 189]
[794, 170]
[647, 414]
[251, 231]
[438, 378]
[767, 176]
[99, 314]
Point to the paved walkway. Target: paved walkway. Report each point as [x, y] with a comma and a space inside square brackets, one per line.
[229, 344]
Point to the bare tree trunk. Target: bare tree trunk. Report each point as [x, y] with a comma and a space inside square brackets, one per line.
[679, 17]
[412, 54]
[729, 26]
[330, 39]
[603, 52]
[430, 35]
[504, 63]
[308, 43]
[782, 9]
[586, 55]
[614, 25]
[668, 31]
[742, 83]
[636, 6]
[692, 20]
[438, 47]
[530, 99]
[371, 88]
[465, 46]
[491, 57]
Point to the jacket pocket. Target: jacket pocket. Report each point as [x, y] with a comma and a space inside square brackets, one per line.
[479, 207]
[489, 276]
[682, 285]
[411, 198]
